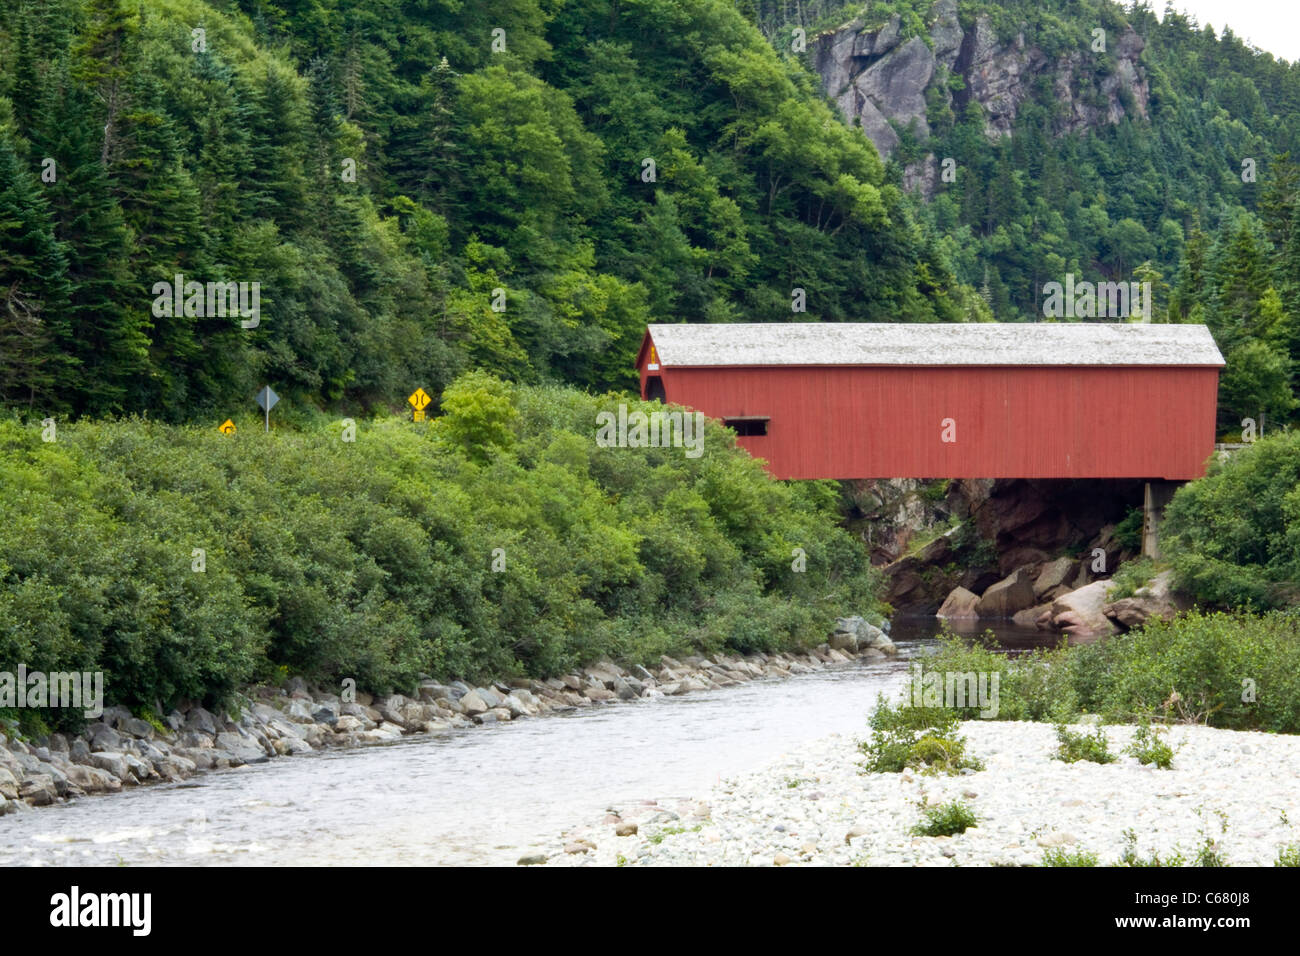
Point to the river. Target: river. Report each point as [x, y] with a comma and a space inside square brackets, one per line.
[483, 796]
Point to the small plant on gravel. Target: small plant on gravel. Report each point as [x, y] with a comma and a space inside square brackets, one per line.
[924, 738]
[1074, 747]
[1288, 856]
[1057, 856]
[945, 819]
[1130, 855]
[658, 838]
[1210, 854]
[792, 782]
[1148, 747]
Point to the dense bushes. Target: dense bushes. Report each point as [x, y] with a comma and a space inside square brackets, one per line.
[1234, 536]
[915, 737]
[375, 559]
[1227, 670]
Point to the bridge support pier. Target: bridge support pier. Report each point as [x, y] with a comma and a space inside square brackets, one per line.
[1155, 497]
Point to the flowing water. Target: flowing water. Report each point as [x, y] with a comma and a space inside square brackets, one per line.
[485, 795]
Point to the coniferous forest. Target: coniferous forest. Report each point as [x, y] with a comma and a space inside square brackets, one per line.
[420, 188]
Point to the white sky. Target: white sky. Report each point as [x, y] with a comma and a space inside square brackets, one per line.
[1272, 25]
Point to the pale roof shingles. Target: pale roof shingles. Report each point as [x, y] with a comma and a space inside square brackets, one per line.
[891, 343]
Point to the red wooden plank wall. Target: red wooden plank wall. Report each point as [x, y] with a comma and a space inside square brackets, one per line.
[1013, 422]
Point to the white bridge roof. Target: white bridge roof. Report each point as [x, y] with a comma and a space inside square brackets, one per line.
[915, 343]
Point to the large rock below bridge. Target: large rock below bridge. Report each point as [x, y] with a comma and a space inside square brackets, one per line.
[959, 605]
[1013, 593]
[1081, 613]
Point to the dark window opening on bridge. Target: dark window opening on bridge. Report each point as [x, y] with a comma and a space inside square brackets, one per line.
[748, 424]
[654, 389]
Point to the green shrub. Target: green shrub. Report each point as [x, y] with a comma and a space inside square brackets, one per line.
[1209, 854]
[1073, 747]
[374, 559]
[1058, 856]
[1130, 576]
[1148, 747]
[945, 820]
[1288, 855]
[1130, 857]
[904, 737]
[1128, 531]
[1232, 536]
[1235, 670]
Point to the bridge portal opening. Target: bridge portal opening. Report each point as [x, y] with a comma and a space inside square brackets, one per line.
[654, 389]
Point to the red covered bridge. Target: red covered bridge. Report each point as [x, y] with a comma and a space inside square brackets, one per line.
[883, 400]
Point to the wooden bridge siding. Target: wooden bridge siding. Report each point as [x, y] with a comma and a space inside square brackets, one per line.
[1040, 422]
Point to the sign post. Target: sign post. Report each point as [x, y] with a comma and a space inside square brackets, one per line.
[419, 401]
[266, 400]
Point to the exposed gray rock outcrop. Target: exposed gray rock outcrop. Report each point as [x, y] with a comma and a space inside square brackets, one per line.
[883, 82]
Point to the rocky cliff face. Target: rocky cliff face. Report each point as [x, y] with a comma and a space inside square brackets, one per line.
[1022, 523]
[881, 82]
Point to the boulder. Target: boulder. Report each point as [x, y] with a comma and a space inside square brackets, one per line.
[960, 604]
[104, 738]
[38, 789]
[489, 696]
[8, 784]
[136, 727]
[844, 641]
[1039, 616]
[1080, 612]
[431, 691]
[473, 703]
[242, 748]
[1156, 600]
[1013, 593]
[114, 763]
[93, 780]
[201, 721]
[866, 635]
[520, 705]
[1051, 581]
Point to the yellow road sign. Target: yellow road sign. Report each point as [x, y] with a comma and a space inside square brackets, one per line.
[419, 401]
[227, 427]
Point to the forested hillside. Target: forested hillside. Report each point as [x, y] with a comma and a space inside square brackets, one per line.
[1167, 156]
[418, 188]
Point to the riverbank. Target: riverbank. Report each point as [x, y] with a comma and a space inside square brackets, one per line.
[816, 807]
[121, 750]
